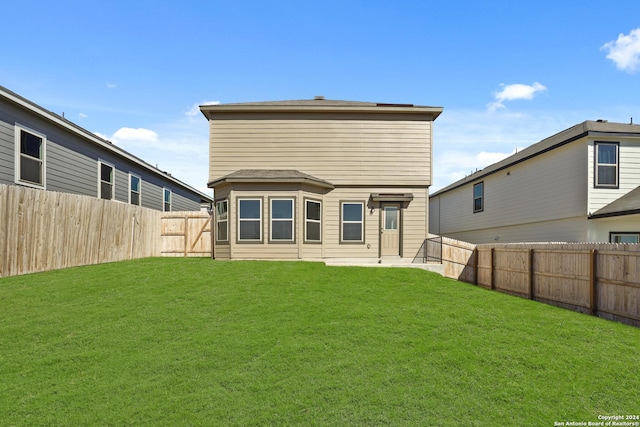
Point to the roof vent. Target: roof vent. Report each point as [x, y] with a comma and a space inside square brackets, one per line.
[318, 98]
[602, 121]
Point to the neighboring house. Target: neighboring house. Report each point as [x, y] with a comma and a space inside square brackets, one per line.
[320, 178]
[580, 185]
[43, 150]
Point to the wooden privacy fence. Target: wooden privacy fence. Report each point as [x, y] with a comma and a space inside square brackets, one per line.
[599, 279]
[186, 234]
[45, 230]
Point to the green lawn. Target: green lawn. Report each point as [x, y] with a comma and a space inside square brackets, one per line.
[199, 342]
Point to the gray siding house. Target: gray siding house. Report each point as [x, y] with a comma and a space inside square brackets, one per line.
[579, 185]
[40, 149]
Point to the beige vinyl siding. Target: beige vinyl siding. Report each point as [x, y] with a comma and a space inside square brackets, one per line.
[341, 151]
[544, 189]
[600, 228]
[414, 219]
[561, 230]
[629, 172]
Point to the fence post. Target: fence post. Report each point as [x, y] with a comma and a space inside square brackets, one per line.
[475, 266]
[493, 285]
[531, 292]
[593, 295]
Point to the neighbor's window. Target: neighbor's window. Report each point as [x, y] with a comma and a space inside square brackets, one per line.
[352, 227]
[282, 211]
[478, 197]
[624, 237]
[30, 157]
[222, 221]
[134, 189]
[249, 219]
[312, 221]
[106, 181]
[607, 164]
[167, 200]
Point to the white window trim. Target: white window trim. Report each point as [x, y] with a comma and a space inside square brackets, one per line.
[132, 175]
[292, 219]
[616, 165]
[218, 221]
[113, 177]
[164, 190]
[17, 129]
[249, 219]
[342, 222]
[316, 221]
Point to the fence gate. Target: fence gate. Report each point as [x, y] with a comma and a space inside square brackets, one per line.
[186, 234]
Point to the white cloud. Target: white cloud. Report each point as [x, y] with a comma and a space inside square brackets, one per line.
[83, 115]
[111, 85]
[512, 92]
[468, 140]
[195, 108]
[130, 134]
[625, 51]
[100, 135]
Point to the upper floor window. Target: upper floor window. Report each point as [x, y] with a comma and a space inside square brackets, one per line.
[222, 221]
[105, 185]
[249, 219]
[312, 221]
[478, 197]
[352, 227]
[135, 188]
[167, 200]
[607, 161]
[30, 157]
[282, 214]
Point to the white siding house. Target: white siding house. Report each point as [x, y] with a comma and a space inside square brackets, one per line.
[581, 184]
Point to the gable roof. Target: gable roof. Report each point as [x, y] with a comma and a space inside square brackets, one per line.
[589, 127]
[93, 138]
[271, 176]
[319, 104]
[628, 204]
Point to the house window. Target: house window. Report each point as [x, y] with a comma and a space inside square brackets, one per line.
[624, 237]
[607, 164]
[352, 227]
[312, 221]
[30, 157]
[134, 189]
[250, 220]
[105, 186]
[167, 200]
[478, 197]
[222, 221]
[282, 214]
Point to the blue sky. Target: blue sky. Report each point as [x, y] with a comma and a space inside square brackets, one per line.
[508, 73]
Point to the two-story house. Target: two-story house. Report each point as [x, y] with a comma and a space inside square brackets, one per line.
[43, 150]
[580, 185]
[320, 178]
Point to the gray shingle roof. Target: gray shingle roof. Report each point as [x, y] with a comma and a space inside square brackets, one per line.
[319, 104]
[272, 176]
[626, 205]
[561, 138]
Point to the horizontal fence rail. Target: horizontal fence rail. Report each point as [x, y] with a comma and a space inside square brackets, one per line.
[602, 279]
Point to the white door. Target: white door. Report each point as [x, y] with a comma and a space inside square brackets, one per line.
[390, 230]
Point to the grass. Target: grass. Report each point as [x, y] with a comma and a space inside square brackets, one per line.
[201, 342]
